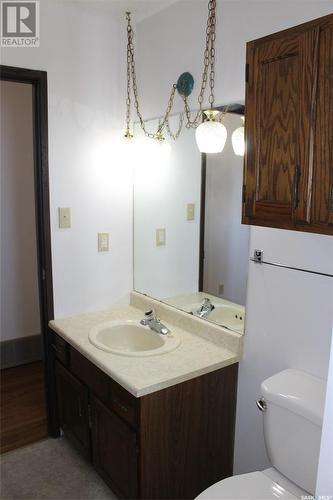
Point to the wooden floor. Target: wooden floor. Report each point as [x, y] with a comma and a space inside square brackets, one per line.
[23, 410]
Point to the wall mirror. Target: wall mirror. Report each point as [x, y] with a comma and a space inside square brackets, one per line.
[190, 248]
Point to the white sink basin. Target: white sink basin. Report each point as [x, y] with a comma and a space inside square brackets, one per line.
[229, 316]
[130, 338]
[225, 315]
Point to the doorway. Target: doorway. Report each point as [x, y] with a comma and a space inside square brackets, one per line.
[26, 267]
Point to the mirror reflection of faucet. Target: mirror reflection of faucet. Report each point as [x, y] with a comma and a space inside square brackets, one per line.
[154, 323]
[204, 310]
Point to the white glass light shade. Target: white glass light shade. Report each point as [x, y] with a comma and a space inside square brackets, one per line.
[211, 136]
[238, 141]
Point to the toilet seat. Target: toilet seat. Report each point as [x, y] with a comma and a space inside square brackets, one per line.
[252, 486]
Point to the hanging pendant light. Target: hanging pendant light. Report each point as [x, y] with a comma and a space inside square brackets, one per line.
[211, 135]
[238, 140]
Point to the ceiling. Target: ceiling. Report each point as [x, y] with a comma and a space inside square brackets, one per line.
[140, 9]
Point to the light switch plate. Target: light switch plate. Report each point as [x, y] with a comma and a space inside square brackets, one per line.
[160, 237]
[103, 242]
[190, 211]
[64, 218]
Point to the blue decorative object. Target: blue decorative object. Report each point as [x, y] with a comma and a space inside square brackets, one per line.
[185, 84]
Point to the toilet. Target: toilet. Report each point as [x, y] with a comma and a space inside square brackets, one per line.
[292, 404]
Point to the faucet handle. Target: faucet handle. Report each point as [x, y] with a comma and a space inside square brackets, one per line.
[150, 314]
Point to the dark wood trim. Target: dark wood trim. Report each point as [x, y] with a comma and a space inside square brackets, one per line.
[38, 80]
[202, 220]
[238, 109]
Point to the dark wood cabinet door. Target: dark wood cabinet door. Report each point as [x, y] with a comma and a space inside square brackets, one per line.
[73, 409]
[187, 436]
[114, 446]
[322, 195]
[280, 99]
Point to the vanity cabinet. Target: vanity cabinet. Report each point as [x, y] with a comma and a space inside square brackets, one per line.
[115, 450]
[172, 443]
[73, 409]
[288, 167]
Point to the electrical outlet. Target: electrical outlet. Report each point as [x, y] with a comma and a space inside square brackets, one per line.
[221, 289]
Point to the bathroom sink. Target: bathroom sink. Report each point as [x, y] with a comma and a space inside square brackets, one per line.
[130, 338]
[229, 316]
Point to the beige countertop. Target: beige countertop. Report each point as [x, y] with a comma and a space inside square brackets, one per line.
[203, 349]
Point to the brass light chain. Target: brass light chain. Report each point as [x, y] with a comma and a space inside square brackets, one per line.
[209, 63]
[180, 127]
[132, 72]
[128, 132]
[209, 60]
[212, 17]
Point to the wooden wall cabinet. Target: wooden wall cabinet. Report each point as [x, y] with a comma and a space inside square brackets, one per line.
[288, 167]
[173, 443]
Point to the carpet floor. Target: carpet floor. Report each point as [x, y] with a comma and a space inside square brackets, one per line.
[50, 470]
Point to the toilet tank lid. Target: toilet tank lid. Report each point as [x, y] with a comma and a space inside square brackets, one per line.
[298, 392]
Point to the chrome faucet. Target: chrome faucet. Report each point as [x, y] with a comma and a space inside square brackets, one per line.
[154, 322]
[204, 310]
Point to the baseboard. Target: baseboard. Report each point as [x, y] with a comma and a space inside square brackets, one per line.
[20, 351]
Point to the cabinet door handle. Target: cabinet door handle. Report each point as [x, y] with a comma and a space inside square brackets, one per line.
[297, 177]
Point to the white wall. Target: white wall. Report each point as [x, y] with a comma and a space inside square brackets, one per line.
[288, 325]
[226, 239]
[164, 182]
[289, 314]
[80, 50]
[19, 283]
[325, 468]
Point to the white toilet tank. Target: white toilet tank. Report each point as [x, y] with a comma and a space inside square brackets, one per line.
[293, 417]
